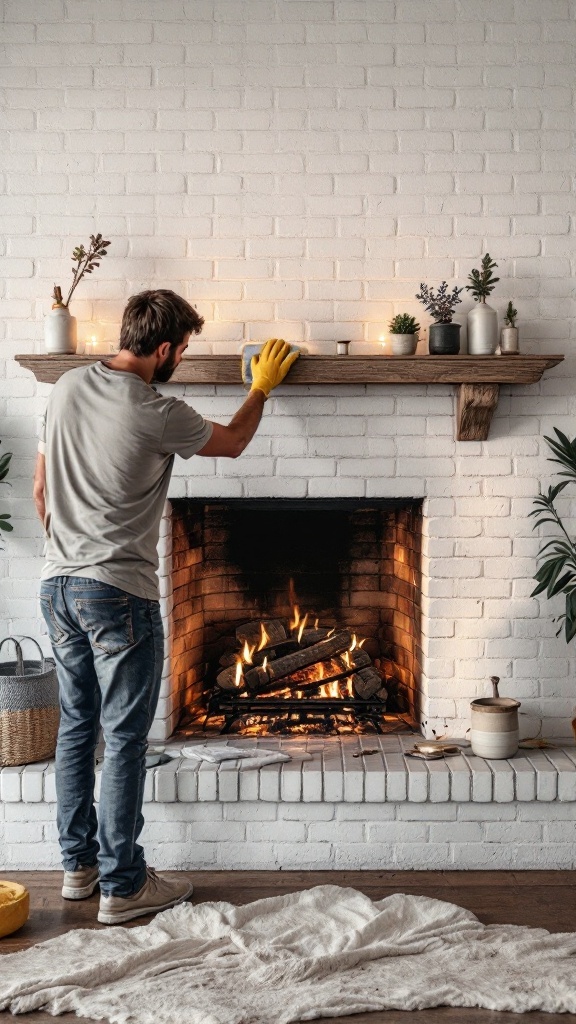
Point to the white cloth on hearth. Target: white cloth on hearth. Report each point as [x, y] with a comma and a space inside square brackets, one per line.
[251, 757]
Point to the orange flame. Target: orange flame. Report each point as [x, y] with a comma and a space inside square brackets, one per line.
[264, 663]
[331, 633]
[346, 659]
[264, 637]
[354, 642]
[316, 621]
[238, 677]
[302, 627]
[247, 653]
[295, 620]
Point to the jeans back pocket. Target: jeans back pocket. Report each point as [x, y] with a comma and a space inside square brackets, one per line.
[57, 634]
[107, 621]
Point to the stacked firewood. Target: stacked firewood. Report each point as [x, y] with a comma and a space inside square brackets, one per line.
[271, 658]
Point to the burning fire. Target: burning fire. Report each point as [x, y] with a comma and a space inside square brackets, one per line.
[264, 638]
[332, 678]
[247, 653]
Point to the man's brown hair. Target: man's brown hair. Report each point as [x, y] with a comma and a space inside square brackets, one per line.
[152, 317]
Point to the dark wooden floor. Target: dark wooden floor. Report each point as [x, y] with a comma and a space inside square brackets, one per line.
[546, 899]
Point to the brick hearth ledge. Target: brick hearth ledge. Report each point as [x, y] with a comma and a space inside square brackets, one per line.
[379, 810]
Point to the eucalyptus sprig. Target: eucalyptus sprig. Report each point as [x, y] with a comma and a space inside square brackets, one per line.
[482, 281]
[557, 573]
[86, 262]
[4, 467]
[511, 314]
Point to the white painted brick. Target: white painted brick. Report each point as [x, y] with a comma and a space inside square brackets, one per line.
[32, 781]
[10, 784]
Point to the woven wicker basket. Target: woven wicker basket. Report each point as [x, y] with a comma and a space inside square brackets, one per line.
[29, 709]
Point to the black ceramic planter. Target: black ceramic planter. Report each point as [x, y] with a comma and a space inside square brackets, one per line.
[444, 339]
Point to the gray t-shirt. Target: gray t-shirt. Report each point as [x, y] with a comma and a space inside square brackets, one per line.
[110, 440]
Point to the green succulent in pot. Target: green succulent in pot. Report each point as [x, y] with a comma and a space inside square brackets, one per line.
[403, 323]
[403, 329]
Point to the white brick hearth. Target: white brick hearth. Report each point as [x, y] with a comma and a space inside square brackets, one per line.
[382, 810]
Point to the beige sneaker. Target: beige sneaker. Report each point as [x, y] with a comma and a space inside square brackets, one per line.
[157, 893]
[80, 884]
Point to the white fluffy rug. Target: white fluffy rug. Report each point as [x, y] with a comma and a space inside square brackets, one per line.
[325, 952]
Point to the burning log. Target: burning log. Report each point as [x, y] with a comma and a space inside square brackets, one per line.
[259, 678]
[271, 631]
[314, 636]
[230, 678]
[366, 683]
[334, 670]
[226, 660]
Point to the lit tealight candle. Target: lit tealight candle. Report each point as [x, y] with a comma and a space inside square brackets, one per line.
[92, 339]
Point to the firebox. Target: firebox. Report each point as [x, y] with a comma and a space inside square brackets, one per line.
[296, 615]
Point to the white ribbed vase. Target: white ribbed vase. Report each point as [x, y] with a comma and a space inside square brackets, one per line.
[60, 332]
[482, 330]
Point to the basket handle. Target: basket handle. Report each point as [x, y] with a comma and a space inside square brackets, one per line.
[19, 655]
[20, 663]
[39, 649]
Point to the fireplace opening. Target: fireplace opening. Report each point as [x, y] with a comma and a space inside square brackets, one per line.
[296, 616]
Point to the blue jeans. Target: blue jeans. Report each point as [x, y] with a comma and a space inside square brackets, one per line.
[109, 648]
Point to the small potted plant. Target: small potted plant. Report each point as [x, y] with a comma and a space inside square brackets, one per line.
[60, 326]
[444, 336]
[509, 333]
[482, 319]
[404, 331]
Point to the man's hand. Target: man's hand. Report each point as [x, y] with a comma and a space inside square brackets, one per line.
[271, 365]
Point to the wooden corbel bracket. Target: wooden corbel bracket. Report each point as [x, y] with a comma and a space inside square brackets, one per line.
[476, 404]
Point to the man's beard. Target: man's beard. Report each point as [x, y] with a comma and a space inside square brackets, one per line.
[164, 372]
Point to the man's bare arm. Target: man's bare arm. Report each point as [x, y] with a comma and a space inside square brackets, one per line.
[39, 487]
[230, 441]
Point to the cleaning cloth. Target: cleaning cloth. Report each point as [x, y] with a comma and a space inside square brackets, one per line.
[255, 757]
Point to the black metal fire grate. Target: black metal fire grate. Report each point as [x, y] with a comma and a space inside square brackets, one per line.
[286, 713]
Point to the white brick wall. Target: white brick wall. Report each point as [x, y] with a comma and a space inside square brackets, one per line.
[298, 168]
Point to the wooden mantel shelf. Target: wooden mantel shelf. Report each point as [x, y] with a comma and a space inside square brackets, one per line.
[478, 377]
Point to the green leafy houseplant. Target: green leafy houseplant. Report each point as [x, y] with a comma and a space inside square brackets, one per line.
[403, 323]
[511, 314]
[557, 573]
[4, 467]
[86, 262]
[482, 282]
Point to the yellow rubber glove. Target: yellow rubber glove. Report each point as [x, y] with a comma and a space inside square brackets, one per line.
[271, 365]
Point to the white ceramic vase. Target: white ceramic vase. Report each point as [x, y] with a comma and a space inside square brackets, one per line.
[509, 341]
[60, 332]
[482, 330]
[404, 344]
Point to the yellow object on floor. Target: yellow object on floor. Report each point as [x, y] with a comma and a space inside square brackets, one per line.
[14, 907]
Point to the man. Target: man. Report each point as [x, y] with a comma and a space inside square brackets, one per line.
[102, 475]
